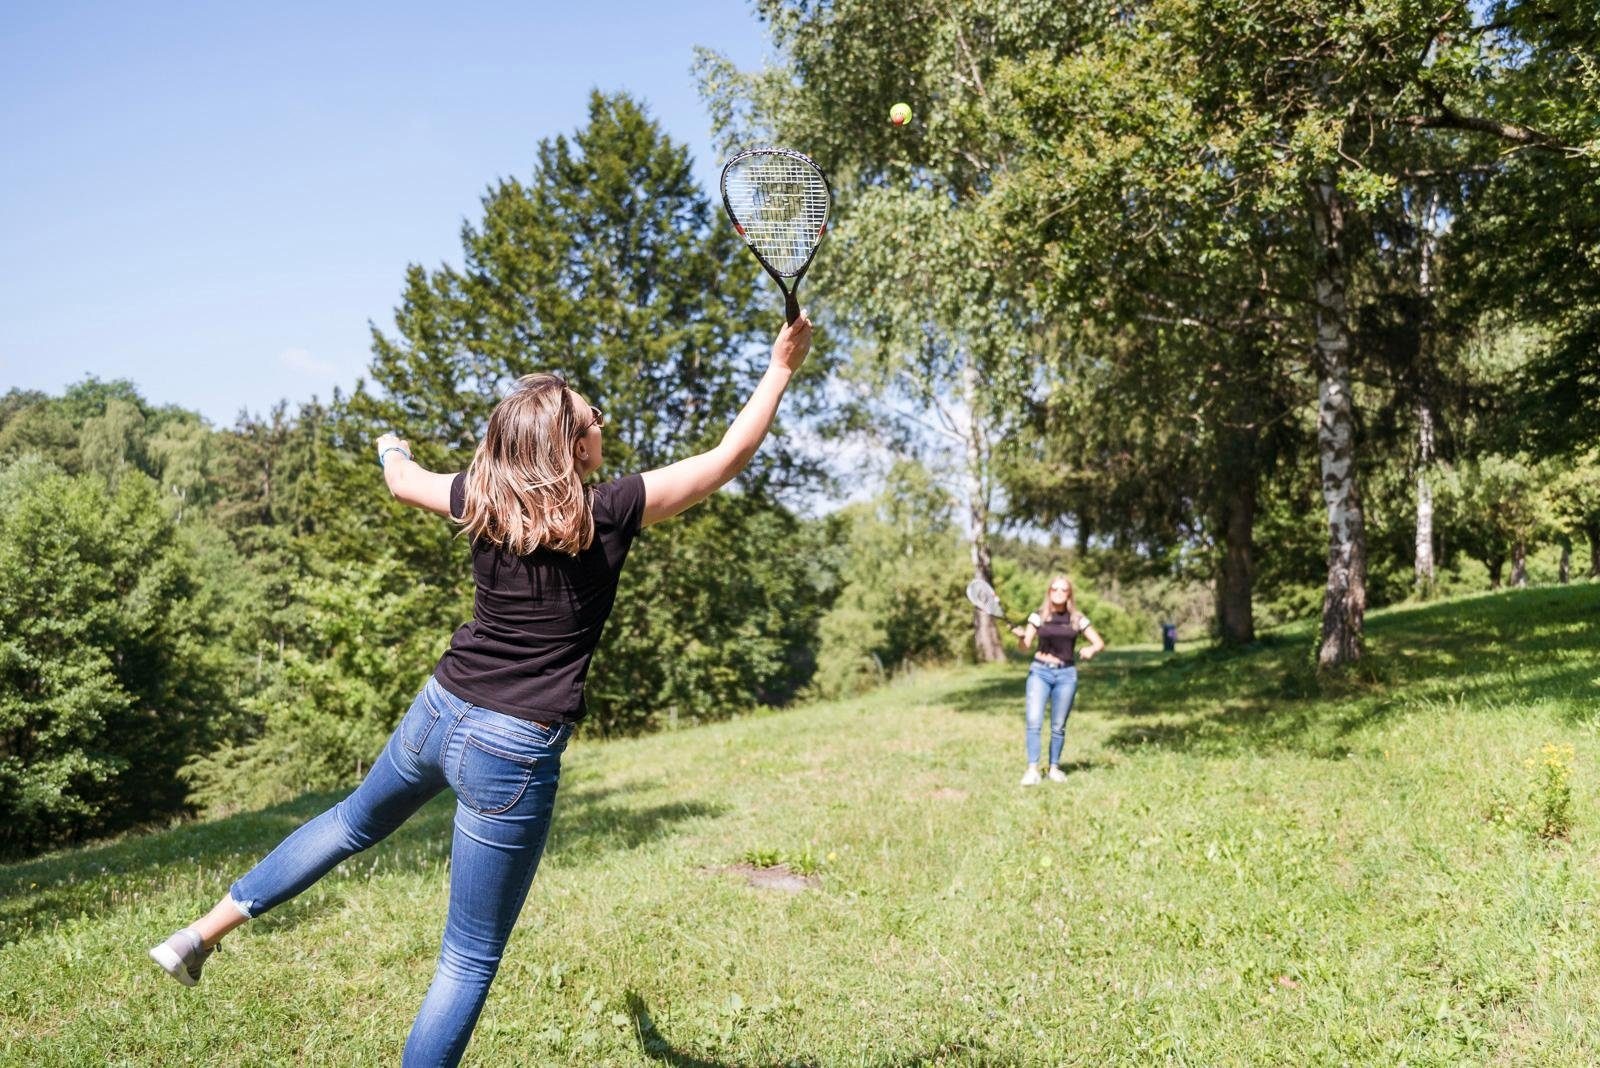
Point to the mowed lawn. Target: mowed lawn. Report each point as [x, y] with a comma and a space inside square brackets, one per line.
[1247, 866]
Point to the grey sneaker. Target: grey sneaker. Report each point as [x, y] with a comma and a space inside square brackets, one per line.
[182, 956]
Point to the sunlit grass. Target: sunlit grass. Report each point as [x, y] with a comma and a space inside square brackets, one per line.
[1249, 865]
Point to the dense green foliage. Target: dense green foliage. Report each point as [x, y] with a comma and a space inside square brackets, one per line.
[1218, 265]
[901, 571]
[1248, 865]
[112, 671]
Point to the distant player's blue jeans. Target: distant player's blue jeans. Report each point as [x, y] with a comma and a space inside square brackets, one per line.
[504, 772]
[1055, 686]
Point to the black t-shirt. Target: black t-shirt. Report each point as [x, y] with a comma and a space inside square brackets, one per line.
[1058, 635]
[536, 619]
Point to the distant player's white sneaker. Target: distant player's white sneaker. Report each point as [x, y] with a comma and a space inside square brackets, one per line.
[1031, 776]
[1056, 774]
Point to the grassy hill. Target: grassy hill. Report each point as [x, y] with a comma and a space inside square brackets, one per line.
[1247, 866]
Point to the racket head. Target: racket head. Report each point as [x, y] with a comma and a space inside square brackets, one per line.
[983, 597]
[778, 201]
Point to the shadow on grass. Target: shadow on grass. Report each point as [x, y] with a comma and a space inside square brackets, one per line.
[1516, 647]
[1002, 694]
[588, 822]
[656, 1047]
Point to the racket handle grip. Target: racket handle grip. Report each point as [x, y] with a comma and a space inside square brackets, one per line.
[791, 308]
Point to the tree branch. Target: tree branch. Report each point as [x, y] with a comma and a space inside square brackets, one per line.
[1514, 132]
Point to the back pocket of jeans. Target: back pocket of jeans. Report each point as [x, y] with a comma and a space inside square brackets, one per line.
[418, 723]
[490, 779]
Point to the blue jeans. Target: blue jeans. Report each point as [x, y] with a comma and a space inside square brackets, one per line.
[504, 772]
[1057, 685]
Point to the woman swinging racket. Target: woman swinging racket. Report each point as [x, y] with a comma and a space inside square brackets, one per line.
[1053, 675]
[493, 719]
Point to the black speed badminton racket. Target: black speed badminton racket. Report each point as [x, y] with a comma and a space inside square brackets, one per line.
[983, 597]
[778, 200]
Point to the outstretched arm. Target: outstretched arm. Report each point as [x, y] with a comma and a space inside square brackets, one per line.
[671, 489]
[408, 481]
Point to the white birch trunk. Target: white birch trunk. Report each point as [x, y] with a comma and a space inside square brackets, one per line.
[1344, 601]
[1424, 566]
[1428, 240]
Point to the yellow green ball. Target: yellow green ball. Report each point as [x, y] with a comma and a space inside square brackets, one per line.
[900, 114]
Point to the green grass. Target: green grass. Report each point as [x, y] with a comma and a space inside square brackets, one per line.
[1247, 866]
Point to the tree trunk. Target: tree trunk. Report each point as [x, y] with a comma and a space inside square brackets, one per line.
[1237, 488]
[1425, 574]
[1564, 574]
[985, 636]
[1427, 241]
[1235, 582]
[1428, 245]
[1344, 601]
[1594, 550]
[1497, 566]
[1519, 564]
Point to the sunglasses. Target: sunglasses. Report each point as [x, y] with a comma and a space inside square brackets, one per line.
[597, 417]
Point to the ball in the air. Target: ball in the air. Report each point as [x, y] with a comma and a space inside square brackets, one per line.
[900, 114]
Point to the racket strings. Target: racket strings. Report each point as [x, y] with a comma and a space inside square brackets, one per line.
[981, 594]
[780, 204]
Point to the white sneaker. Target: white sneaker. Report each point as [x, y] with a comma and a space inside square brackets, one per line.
[182, 956]
[1056, 774]
[1031, 776]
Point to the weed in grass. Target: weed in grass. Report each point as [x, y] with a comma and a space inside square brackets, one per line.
[1502, 808]
[806, 862]
[1546, 812]
[762, 858]
[1552, 793]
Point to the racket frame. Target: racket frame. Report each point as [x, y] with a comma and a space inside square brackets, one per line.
[791, 304]
[972, 596]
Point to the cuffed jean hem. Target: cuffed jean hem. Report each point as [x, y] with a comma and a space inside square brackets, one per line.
[243, 907]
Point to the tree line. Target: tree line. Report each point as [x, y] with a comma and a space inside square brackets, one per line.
[1180, 277]
[1241, 312]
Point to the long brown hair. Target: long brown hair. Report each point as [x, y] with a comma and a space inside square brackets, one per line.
[524, 489]
[1072, 599]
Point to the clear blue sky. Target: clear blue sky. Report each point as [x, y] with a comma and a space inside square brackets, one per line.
[213, 199]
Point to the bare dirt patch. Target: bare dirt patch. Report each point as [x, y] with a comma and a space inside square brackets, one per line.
[777, 877]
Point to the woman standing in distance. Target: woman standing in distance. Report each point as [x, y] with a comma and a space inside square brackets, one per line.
[492, 721]
[1053, 675]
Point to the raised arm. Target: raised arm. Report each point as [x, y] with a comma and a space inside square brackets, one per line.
[671, 489]
[408, 481]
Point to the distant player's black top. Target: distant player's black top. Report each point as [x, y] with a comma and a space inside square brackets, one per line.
[1058, 635]
[536, 619]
